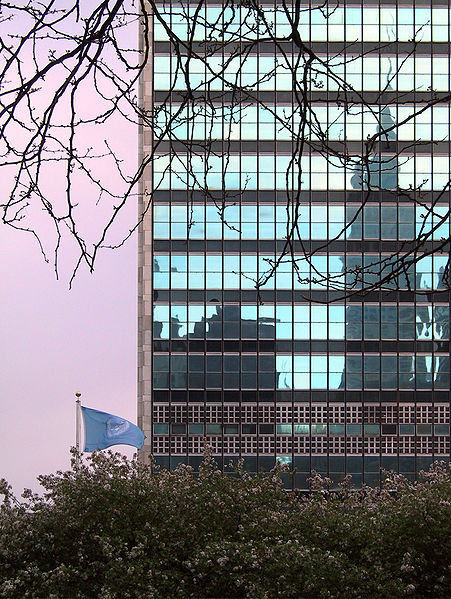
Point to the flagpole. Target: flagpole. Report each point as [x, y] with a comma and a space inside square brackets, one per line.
[77, 428]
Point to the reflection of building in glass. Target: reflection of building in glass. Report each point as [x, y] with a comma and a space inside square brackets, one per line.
[295, 373]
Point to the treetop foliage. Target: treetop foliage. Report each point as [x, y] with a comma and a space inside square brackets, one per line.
[112, 528]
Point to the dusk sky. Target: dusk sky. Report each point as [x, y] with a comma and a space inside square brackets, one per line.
[57, 341]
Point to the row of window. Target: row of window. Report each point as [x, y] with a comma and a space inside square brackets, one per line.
[321, 380]
[303, 371]
[269, 221]
[370, 72]
[350, 23]
[305, 413]
[363, 468]
[301, 321]
[300, 429]
[271, 171]
[269, 122]
[304, 445]
[333, 271]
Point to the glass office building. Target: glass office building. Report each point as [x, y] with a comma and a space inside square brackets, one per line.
[291, 351]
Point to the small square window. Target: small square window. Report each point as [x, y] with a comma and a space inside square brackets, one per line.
[441, 429]
[249, 363]
[214, 429]
[178, 429]
[372, 429]
[424, 429]
[266, 429]
[196, 429]
[214, 363]
[389, 429]
[231, 429]
[266, 362]
[354, 429]
[301, 429]
[406, 429]
[231, 363]
[336, 429]
[249, 429]
[319, 429]
[161, 429]
[284, 429]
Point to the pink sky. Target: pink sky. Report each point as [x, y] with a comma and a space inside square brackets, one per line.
[56, 342]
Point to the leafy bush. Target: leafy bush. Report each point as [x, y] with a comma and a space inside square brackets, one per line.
[112, 529]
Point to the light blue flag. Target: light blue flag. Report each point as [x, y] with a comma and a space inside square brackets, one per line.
[103, 430]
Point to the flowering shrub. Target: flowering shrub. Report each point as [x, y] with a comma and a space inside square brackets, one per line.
[111, 529]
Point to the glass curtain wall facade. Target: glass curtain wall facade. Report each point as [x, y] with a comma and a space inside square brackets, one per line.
[304, 369]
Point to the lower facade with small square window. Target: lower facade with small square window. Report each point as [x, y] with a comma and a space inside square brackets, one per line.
[332, 439]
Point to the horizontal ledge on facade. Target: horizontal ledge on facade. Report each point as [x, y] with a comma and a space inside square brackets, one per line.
[404, 148]
[317, 97]
[348, 48]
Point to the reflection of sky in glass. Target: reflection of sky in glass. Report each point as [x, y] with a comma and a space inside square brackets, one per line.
[369, 72]
[353, 24]
[377, 220]
[314, 222]
[222, 271]
[306, 371]
[303, 322]
[264, 172]
[269, 121]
